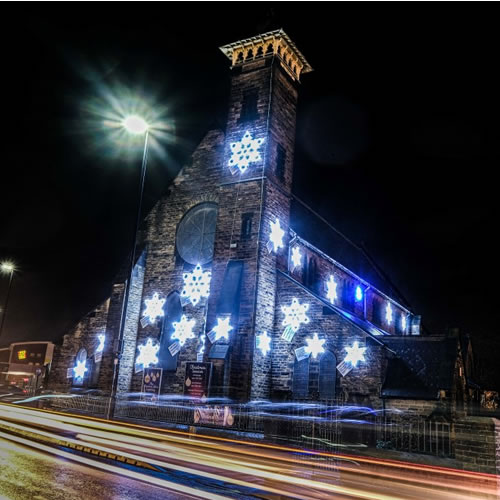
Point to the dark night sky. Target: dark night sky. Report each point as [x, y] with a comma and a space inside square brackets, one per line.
[396, 141]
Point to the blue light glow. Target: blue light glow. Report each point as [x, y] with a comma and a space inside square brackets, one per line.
[358, 294]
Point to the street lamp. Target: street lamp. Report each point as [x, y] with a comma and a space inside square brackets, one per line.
[134, 125]
[6, 267]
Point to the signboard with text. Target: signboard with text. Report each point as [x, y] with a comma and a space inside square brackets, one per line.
[151, 382]
[197, 380]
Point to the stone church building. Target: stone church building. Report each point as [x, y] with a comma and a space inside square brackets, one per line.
[225, 277]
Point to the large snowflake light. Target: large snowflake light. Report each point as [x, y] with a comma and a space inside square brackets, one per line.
[222, 328]
[276, 236]
[388, 313]
[79, 369]
[196, 284]
[296, 257]
[102, 339]
[315, 345]
[183, 330]
[331, 289]
[355, 354]
[148, 354]
[295, 314]
[263, 343]
[245, 152]
[154, 308]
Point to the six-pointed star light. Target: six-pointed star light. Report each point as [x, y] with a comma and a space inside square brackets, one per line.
[148, 354]
[183, 330]
[296, 257]
[154, 308]
[79, 369]
[277, 234]
[222, 328]
[331, 286]
[355, 354]
[196, 284]
[315, 345]
[264, 343]
[245, 152]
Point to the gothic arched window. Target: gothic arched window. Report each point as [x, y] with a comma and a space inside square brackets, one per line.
[300, 382]
[327, 375]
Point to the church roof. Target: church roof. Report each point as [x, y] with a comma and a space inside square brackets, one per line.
[421, 367]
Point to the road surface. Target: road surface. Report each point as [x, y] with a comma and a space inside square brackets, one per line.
[181, 464]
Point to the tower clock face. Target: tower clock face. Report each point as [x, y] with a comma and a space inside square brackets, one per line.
[196, 234]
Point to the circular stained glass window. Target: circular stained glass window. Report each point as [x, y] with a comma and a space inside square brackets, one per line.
[196, 234]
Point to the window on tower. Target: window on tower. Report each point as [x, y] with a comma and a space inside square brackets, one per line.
[249, 110]
[246, 226]
[280, 162]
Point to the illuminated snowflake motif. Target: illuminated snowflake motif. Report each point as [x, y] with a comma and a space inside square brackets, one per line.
[331, 290]
[102, 339]
[154, 308]
[295, 314]
[276, 236]
[196, 284]
[355, 354]
[245, 152]
[183, 330]
[388, 313]
[79, 369]
[264, 343]
[403, 322]
[201, 350]
[296, 257]
[315, 345]
[148, 354]
[222, 328]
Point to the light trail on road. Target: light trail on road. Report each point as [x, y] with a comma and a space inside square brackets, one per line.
[247, 469]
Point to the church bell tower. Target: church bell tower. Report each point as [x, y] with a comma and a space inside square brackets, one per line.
[251, 241]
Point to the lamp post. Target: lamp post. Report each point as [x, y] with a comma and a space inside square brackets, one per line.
[6, 268]
[134, 125]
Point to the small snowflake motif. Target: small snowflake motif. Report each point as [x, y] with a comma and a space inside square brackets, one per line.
[80, 369]
[245, 152]
[315, 345]
[296, 257]
[355, 354]
[196, 284]
[263, 343]
[388, 313]
[331, 287]
[222, 328]
[148, 354]
[295, 314]
[154, 308]
[276, 236]
[183, 330]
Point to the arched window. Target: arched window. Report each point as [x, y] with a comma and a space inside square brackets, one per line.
[173, 313]
[310, 276]
[327, 375]
[300, 382]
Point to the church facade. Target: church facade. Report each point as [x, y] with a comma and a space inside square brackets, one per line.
[225, 280]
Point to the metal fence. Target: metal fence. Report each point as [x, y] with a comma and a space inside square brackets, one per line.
[332, 426]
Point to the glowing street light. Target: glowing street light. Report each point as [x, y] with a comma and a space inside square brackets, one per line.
[6, 267]
[135, 125]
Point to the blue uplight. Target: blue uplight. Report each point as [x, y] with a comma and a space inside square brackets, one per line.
[359, 294]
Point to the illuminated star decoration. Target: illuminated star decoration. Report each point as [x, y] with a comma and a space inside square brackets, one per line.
[148, 354]
[388, 313]
[331, 287]
[222, 328]
[295, 314]
[276, 236]
[101, 339]
[79, 369]
[296, 257]
[154, 308]
[245, 152]
[183, 330]
[315, 345]
[403, 322]
[355, 354]
[263, 343]
[196, 284]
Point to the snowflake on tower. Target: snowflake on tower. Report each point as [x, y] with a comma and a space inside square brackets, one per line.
[388, 313]
[295, 314]
[148, 354]
[183, 330]
[263, 343]
[244, 152]
[331, 287]
[154, 308]
[276, 237]
[196, 284]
